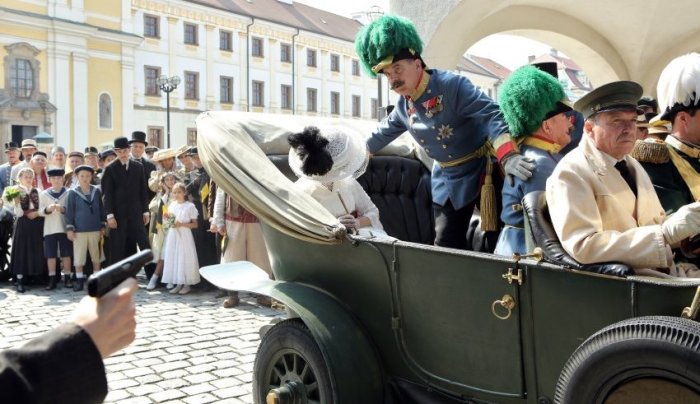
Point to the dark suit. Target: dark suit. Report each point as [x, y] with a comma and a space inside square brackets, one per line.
[148, 168]
[61, 366]
[125, 196]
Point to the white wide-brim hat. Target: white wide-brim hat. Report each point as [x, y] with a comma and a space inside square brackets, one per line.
[348, 150]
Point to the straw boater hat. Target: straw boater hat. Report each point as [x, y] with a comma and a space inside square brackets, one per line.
[163, 154]
[328, 154]
[385, 41]
[679, 86]
[528, 97]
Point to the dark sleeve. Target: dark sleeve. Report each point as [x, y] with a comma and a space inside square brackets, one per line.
[70, 211]
[61, 366]
[389, 129]
[143, 191]
[108, 190]
[101, 208]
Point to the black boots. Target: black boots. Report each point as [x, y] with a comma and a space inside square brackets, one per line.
[20, 285]
[67, 281]
[78, 284]
[52, 282]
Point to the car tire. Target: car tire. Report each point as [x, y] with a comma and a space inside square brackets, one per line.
[645, 359]
[288, 354]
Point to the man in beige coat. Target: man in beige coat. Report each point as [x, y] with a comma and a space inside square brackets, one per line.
[601, 201]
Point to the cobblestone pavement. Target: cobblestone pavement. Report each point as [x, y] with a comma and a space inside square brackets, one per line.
[188, 348]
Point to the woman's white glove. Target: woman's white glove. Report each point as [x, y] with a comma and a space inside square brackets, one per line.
[349, 221]
[682, 224]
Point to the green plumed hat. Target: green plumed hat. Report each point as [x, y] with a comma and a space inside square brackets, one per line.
[387, 40]
[528, 97]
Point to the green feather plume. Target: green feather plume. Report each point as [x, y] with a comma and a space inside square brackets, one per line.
[383, 37]
[526, 97]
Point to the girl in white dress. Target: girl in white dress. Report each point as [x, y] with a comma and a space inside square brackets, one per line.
[180, 264]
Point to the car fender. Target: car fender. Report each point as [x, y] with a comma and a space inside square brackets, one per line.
[352, 359]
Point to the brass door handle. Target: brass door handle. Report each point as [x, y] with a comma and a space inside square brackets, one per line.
[507, 302]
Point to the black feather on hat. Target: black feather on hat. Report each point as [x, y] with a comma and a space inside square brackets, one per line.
[310, 146]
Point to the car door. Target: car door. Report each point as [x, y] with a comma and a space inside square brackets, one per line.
[448, 332]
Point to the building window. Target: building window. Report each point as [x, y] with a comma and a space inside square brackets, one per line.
[375, 108]
[226, 89]
[356, 106]
[286, 96]
[155, 136]
[311, 100]
[150, 26]
[151, 75]
[191, 85]
[355, 67]
[22, 78]
[190, 34]
[311, 58]
[286, 53]
[335, 103]
[257, 47]
[258, 93]
[225, 40]
[335, 63]
[105, 109]
[192, 136]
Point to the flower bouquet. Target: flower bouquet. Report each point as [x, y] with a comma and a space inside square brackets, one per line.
[12, 192]
[168, 221]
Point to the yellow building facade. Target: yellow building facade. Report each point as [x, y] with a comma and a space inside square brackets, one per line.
[84, 71]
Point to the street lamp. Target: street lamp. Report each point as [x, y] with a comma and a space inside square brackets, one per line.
[168, 84]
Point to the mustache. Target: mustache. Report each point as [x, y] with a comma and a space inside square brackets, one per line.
[397, 84]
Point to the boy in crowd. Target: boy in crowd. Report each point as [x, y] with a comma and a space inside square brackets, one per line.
[52, 205]
[85, 222]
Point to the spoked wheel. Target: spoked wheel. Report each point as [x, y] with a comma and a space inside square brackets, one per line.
[641, 360]
[289, 367]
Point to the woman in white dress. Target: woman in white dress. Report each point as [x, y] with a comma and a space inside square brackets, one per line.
[328, 161]
[180, 264]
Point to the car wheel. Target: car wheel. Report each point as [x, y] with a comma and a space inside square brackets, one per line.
[640, 360]
[289, 365]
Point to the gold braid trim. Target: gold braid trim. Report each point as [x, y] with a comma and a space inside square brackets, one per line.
[650, 152]
[690, 176]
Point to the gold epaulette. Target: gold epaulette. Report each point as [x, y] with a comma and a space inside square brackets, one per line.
[650, 151]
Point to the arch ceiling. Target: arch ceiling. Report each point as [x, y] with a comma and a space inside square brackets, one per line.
[610, 40]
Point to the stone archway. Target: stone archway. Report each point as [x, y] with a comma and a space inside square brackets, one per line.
[621, 40]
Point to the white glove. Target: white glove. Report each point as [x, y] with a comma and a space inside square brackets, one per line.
[682, 224]
[518, 166]
[349, 221]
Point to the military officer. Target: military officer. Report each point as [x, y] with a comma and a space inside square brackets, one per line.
[12, 152]
[455, 123]
[675, 169]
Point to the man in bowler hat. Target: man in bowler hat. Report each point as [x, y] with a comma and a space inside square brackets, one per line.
[126, 203]
[138, 144]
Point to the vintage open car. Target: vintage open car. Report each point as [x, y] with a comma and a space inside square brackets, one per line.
[376, 319]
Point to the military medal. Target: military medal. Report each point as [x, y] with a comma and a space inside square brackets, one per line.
[445, 131]
[432, 106]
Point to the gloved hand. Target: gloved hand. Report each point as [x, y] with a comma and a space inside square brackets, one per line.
[348, 221]
[682, 224]
[515, 165]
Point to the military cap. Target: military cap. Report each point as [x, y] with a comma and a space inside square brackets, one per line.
[551, 68]
[11, 146]
[84, 167]
[58, 149]
[39, 153]
[679, 86]
[55, 172]
[615, 96]
[151, 149]
[76, 154]
[387, 40]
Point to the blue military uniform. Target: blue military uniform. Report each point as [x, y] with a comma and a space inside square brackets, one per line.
[5, 171]
[450, 120]
[512, 237]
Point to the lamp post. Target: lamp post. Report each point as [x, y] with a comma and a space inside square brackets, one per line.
[168, 84]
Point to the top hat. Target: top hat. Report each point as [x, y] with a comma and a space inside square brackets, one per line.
[615, 96]
[91, 151]
[11, 146]
[26, 143]
[138, 136]
[121, 143]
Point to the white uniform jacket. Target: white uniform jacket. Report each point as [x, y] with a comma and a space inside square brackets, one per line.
[597, 216]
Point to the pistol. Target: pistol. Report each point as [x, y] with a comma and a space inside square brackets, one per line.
[100, 283]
